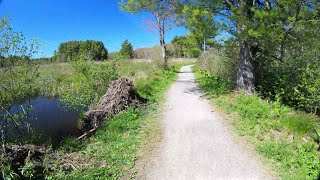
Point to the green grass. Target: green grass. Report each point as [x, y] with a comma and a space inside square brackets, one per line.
[112, 151]
[285, 137]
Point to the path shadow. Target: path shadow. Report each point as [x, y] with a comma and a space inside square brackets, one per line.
[195, 91]
[185, 73]
[189, 81]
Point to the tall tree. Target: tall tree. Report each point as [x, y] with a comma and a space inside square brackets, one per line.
[179, 44]
[163, 12]
[126, 50]
[200, 22]
[188, 46]
[261, 27]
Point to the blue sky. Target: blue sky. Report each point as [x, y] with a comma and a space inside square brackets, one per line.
[56, 21]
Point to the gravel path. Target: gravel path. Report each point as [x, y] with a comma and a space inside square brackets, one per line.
[196, 143]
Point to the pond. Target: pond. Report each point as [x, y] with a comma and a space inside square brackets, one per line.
[49, 117]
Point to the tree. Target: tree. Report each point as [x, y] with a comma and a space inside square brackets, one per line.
[163, 12]
[126, 50]
[200, 22]
[261, 28]
[178, 42]
[17, 77]
[87, 50]
[187, 46]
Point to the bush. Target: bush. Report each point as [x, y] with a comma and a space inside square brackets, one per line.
[295, 81]
[91, 82]
[217, 64]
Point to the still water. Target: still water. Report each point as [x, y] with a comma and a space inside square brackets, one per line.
[48, 116]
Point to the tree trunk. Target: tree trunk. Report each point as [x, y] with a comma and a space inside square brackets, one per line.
[164, 55]
[204, 44]
[164, 50]
[246, 74]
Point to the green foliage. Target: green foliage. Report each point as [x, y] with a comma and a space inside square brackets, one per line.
[269, 126]
[112, 55]
[6, 171]
[153, 52]
[179, 43]
[162, 13]
[215, 86]
[28, 169]
[114, 148]
[86, 50]
[17, 76]
[152, 86]
[126, 50]
[200, 22]
[81, 84]
[218, 64]
[186, 46]
[283, 41]
[266, 33]
[112, 151]
[91, 83]
[294, 81]
[294, 160]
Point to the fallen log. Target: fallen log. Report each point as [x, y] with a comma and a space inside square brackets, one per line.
[119, 96]
[86, 134]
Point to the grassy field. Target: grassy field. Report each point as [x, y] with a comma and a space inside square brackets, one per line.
[288, 139]
[113, 150]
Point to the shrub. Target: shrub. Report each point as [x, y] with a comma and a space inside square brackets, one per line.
[217, 64]
[91, 82]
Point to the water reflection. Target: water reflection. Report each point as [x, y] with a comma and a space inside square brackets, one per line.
[47, 116]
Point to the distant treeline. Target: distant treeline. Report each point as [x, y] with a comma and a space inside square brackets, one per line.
[86, 50]
[173, 51]
[5, 61]
[188, 46]
[179, 47]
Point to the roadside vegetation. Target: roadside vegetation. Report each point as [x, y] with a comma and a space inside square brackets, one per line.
[265, 74]
[79, 81]
[258, 61]
[112, 152]
[288, 138]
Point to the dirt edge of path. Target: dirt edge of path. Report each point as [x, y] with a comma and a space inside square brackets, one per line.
[151, 137]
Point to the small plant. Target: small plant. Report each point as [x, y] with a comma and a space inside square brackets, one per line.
[28, 169]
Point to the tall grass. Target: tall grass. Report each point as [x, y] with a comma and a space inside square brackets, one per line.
[112, 151]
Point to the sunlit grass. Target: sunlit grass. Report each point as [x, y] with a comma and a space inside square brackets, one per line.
[287, 138]
[112, 151]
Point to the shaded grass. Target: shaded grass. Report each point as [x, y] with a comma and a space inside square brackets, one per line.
[287, 138]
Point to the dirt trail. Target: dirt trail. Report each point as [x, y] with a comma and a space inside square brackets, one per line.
[196, 143]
